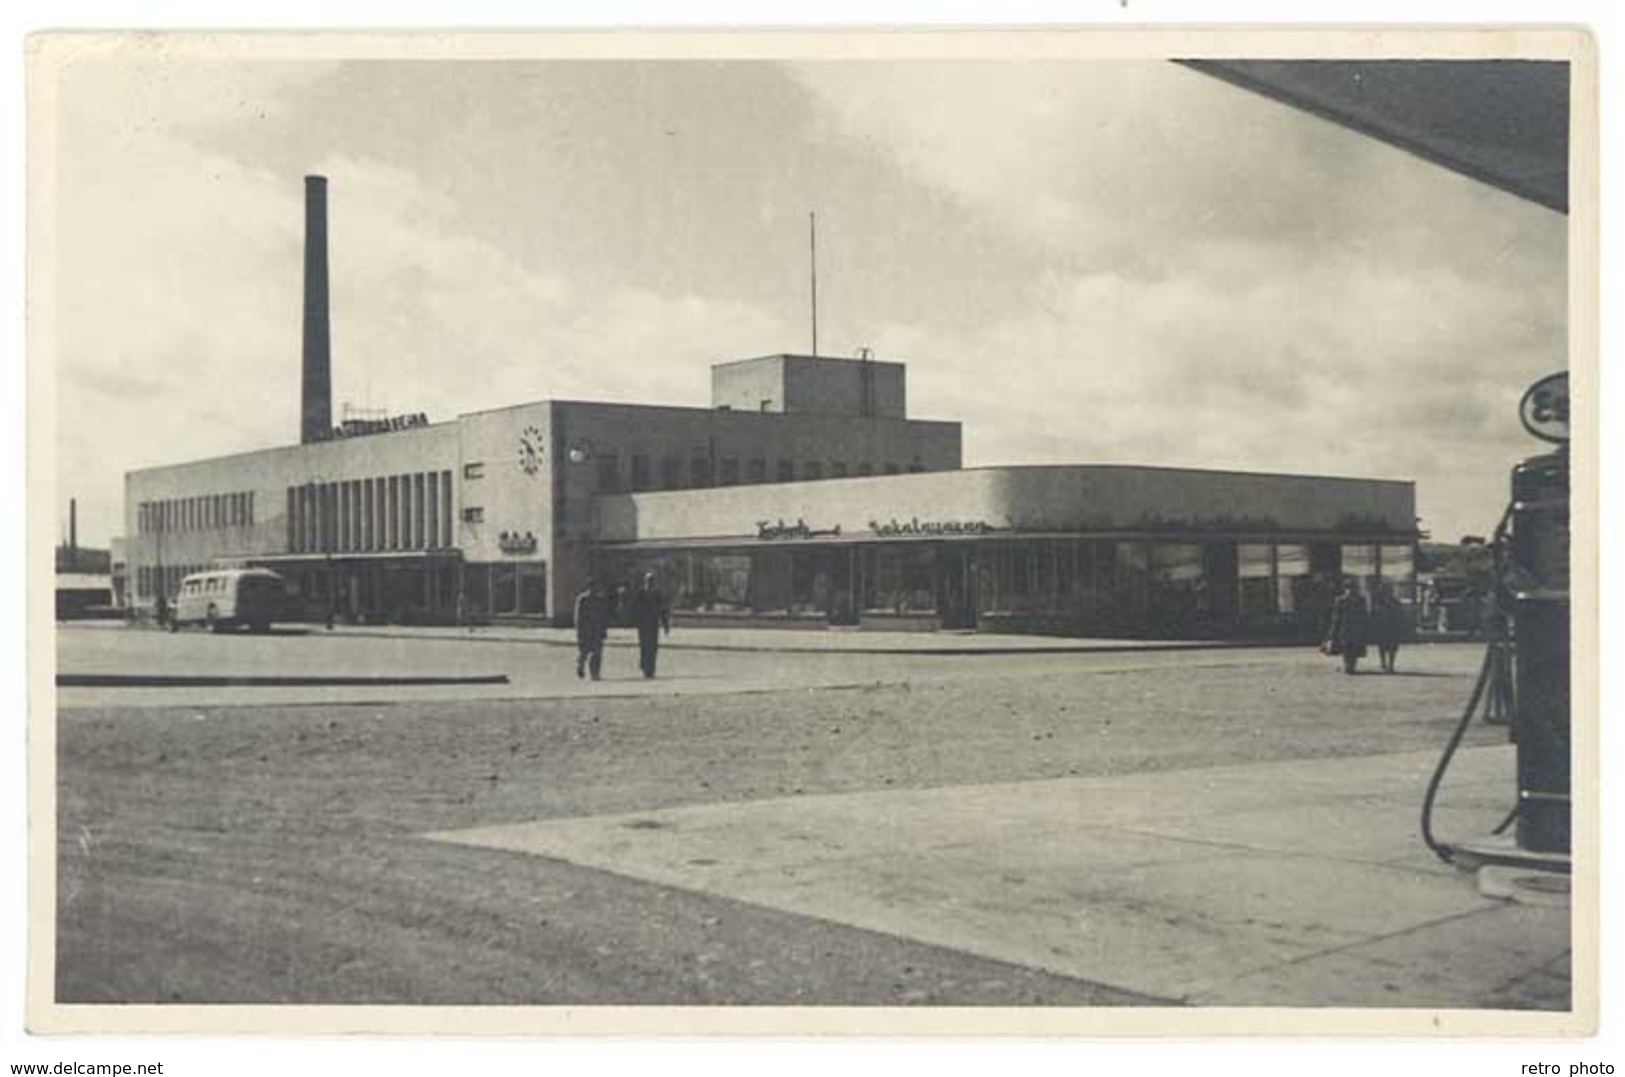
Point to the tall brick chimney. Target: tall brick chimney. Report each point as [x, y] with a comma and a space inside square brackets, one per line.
[316, 401]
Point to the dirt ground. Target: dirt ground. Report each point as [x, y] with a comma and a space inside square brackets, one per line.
[274, 853]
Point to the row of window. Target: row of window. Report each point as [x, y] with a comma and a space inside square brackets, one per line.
[1177, 587]
[388, 512]
[150, 578]
[729, 471]
[207, 512]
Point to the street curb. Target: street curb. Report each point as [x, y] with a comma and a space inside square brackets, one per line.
[148, 680]
[896, 652]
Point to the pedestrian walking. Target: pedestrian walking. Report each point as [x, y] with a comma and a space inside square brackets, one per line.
[1387, 626]
[651, 614]
[1347, 629]
[592, 628]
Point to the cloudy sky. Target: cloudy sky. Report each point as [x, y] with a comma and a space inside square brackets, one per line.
[1082, 261]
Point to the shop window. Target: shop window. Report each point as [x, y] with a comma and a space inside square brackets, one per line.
[866, 468]
[477, 590]
[915, 466]
[1255, 580]
[814, 471]
[699, 472]
[891, 469]
[1360, 563]
[1120, 570]
[504, 589]
[1398, 569]
[532, 589]
[756, 470]
[899, 579]
[1302, 590]
[671, 473]
[609, 472]
[641, 477]
[728, 472]
[786, 471]
[837, 469]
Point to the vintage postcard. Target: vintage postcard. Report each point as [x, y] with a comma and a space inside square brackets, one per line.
[1033, 532]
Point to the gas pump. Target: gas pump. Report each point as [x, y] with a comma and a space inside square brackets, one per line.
[1531, 621]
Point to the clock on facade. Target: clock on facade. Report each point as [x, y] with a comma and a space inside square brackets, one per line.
[530, 450]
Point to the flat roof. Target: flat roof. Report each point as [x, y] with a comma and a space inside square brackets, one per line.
[808, 358]
[1007, 468]
[768, 416]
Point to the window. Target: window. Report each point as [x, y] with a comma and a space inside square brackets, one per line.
[641, 477]
[837, 469]
[866, 468]
[671, 473]
[787, 471]
[814, 471]
[405, 507]
[420, 507]
[1360, 562]
[699, 472]
[474, 471]
[915, 466]
[609, 472]
[445, 509]
[730, 472]
[392, 513]
[1296, 586]
[1255, 571]
[431, 507]
[473, 514]
[756, 470]
[891, 469]
[1399, 569]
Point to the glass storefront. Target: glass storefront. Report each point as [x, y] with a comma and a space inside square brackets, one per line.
[1135, 587]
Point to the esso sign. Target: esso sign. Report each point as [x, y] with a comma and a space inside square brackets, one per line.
[1545, 408]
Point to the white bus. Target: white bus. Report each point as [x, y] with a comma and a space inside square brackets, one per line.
[229, 598]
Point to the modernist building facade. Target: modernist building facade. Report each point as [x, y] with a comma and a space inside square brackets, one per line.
[804, 495]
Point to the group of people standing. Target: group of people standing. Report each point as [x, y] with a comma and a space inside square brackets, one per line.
[595, 611]
[1353, 625]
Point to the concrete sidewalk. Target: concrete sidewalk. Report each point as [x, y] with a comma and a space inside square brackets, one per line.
[1301, 883]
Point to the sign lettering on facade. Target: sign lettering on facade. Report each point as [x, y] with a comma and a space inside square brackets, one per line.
[769, 529]
[354, 428]
[514, 542]
[916, 526]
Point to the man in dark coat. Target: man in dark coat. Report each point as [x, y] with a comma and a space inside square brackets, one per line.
[1347, 630]
[651, 615]
[592, 614]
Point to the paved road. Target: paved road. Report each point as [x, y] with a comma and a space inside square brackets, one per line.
[227, 848]
[540, 667]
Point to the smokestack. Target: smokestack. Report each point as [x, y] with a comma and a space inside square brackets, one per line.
[316, 403]
[73, 523]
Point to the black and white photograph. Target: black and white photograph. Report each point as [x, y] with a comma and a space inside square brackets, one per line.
[844, 531]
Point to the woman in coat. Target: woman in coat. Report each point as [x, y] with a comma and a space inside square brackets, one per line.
[1347, 631]
[1387, 626]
